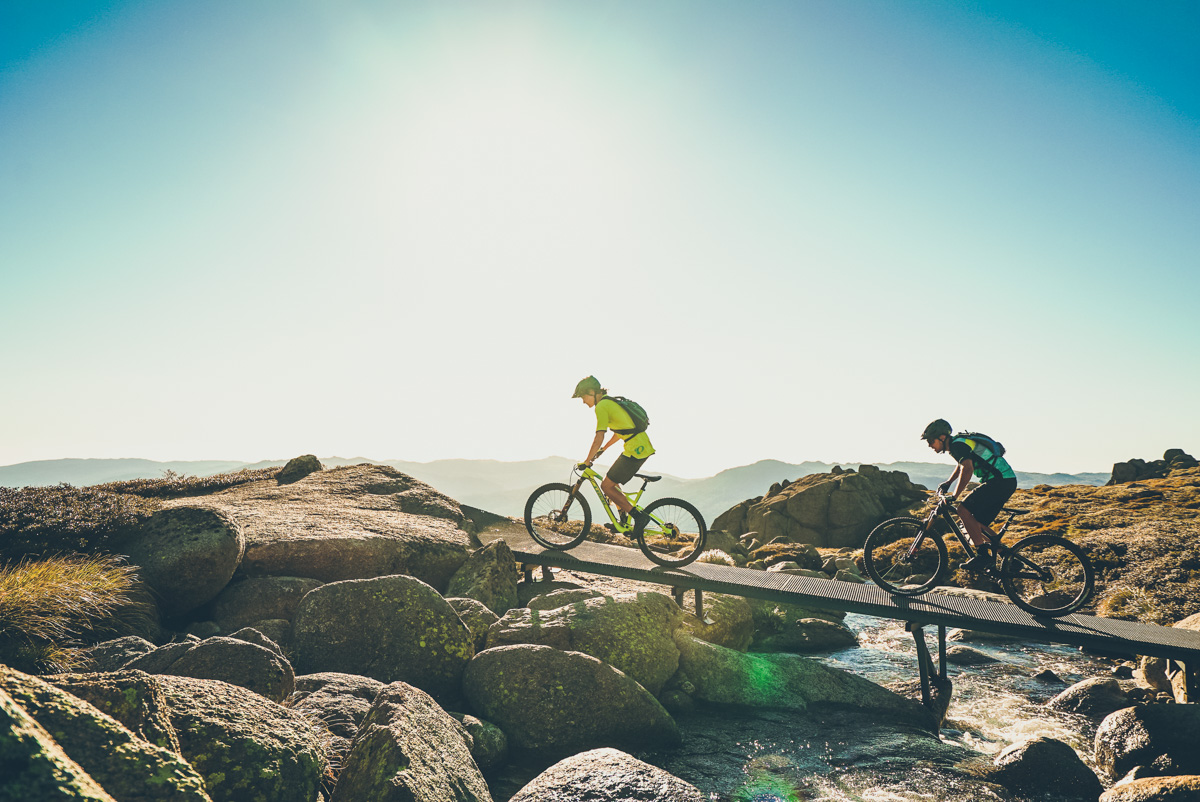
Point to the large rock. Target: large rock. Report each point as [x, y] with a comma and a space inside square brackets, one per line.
[780, 627]
[1095, 697]
[185, 554]
[247, 748]
[1179, 679]
[829, 510]
[354, 522]
[340, 701]
[391, 628]
[410, 750]
[133, 698]
[1160, 738]
[476, 616]
[630, 631]
[253, 599]
[1136, 470]
[112, 655]
[123, 764]
[297, 468]
[728, 621]
[160, 660]
[1184, 788]
[606, 774]
[555, 703]
[1045, 766]
[560, 597]
[238, 662]
[35, 767]
[489, 575]
[782, 682]
[489, 744]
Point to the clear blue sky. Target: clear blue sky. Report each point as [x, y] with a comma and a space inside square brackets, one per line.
[791, 230]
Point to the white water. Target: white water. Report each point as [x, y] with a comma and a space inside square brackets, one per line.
[994, 705]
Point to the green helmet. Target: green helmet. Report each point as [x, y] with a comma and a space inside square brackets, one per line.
[585, 386]
[935, 430]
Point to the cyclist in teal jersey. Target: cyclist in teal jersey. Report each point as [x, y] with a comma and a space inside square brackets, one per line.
[984, 503]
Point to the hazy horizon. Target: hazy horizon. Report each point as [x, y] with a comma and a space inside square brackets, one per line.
[796, 229]
[607, 460]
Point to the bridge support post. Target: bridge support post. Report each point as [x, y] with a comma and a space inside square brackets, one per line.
[933, 679]
[1185, 682]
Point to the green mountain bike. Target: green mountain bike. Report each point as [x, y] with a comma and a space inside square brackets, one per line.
[1045, 575]
[672, 533]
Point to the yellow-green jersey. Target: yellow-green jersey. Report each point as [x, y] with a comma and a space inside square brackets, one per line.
[611, 415]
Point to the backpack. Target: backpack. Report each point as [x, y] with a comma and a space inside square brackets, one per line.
[632, 408]
[992, 445]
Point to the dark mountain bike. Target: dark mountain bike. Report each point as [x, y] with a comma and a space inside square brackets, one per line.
[558, 517]
[1045, 575]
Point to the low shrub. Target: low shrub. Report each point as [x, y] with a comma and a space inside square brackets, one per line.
[43, 521]
[47, 605]
[174, 485]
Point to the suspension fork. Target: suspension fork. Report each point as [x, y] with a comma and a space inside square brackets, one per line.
[571, 496]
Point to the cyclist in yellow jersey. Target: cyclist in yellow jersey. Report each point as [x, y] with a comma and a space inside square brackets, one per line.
[637, 447]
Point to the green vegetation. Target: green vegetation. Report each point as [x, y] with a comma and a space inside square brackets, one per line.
[44, 521]
[174, 485]
[47, 605]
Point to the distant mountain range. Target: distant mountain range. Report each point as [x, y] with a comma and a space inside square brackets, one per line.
[502, 487]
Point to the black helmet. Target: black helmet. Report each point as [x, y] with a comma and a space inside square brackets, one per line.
[935, 430]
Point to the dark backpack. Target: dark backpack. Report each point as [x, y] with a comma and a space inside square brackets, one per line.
[632, 408]
[992, 445]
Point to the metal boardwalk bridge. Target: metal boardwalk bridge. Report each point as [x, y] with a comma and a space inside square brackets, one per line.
[1181, 647]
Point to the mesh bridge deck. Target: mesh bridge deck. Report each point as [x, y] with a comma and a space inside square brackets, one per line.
[1103, 635]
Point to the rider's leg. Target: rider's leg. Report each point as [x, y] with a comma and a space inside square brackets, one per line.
[622, 471]
[973, 527]
[613, 491]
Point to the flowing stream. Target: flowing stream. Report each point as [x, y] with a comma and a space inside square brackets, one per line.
[770, 756]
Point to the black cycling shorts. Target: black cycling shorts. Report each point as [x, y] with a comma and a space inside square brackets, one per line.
[986, 501]
[624, 468]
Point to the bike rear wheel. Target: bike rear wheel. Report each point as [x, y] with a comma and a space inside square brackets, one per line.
[1047, 575]
[672, 533]
[557, 519]
[893, 563]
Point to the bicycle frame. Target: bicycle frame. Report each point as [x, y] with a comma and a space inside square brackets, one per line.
[943, 510]
[592, 477]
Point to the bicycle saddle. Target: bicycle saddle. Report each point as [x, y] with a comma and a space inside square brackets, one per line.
[647, 478]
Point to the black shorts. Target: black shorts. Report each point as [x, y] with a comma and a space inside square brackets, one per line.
[986, 501]
[624, 468]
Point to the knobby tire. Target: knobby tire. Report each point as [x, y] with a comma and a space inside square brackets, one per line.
[884, 557]
[542, 517]
[1071, 575]
[668, 549]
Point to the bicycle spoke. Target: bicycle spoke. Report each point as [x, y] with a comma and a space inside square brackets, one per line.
[902, 560]
[1047, 575]
[674, 533]
[556, 518]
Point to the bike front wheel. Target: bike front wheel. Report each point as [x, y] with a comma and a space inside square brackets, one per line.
[672, 533]
[556, 517]
[1047, 575]
[903, 559]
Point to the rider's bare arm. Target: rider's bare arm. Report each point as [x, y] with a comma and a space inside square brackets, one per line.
[595, 449]
[963, 474]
